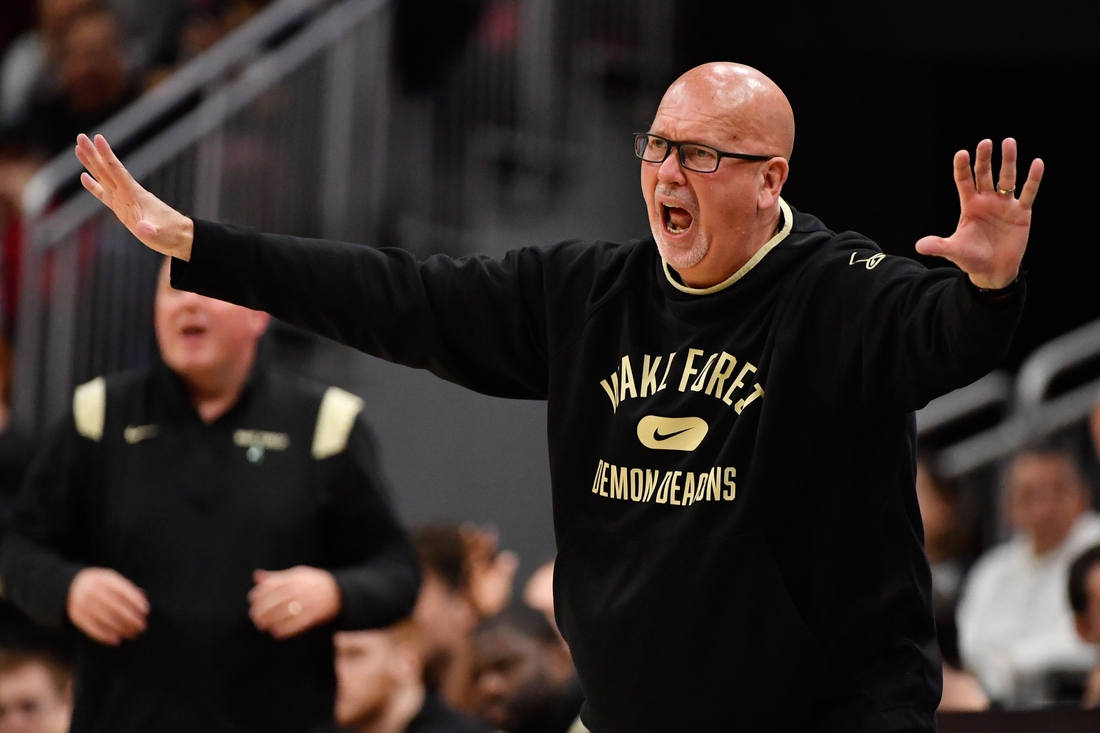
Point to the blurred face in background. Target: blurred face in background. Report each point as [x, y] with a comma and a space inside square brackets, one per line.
[1046, 496]
[209, 343]
[93, 65]
[518, 677]
[371, 667]
[32, 700]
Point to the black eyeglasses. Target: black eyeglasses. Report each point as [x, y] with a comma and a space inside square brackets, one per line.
[693, 156]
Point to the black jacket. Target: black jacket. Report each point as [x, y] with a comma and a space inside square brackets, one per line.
[733, 469]
[134, 480]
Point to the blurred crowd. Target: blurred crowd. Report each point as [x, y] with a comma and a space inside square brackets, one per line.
[78, 62]
[1019, 624]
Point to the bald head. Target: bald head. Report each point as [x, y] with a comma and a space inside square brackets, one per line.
[745, 106]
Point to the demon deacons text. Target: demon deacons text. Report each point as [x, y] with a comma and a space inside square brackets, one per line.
[678, 488]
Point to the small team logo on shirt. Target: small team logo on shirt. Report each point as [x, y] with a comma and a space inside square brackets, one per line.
[871, 262]
[672, 433]
[258, 442]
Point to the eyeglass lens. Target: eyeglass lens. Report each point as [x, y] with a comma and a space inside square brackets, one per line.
[694, 157]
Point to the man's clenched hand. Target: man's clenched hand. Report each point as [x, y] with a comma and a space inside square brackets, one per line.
[287, 602]
[106, 606]
[989, 243]
[155, 223]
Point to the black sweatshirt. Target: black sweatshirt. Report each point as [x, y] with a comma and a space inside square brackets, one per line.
[134, 480]
[733, 468]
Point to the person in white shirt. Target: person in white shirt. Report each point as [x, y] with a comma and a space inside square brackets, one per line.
[1015, 623]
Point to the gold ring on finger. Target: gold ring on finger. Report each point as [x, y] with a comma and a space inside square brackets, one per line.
[1006, 191]
[294, 608]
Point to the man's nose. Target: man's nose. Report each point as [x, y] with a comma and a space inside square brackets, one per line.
[670, 170]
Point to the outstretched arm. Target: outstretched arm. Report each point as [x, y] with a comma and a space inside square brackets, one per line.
[475, 321]
[990, 240]
[156, 224]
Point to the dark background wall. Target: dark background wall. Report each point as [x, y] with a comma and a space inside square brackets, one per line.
[885, 93]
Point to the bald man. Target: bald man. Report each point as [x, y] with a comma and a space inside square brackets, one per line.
[730, 408]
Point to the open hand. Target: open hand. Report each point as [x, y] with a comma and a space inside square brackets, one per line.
[106, 606]
[492, 571]
[156, 224]
[288, 602]
[989, 243]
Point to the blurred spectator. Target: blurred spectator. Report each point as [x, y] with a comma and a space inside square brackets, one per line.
[943, 535]
[961, 689]
[465, 577]
[36, 694]
[539, 592]
[30, 64]
[94, 84]
[524, 674]
[1084, 597]
[207, 523]
[1015, 622]
[380, 688]
[444, 615]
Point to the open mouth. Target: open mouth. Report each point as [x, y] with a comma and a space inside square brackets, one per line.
[193, 331]
[676, 220]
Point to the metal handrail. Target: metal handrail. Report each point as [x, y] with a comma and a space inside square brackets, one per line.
[1052, 359]
[991, 390]
[1023, 428]
[255, 80]
[227, 55]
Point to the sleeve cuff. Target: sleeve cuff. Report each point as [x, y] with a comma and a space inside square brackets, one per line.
[1010, 296]
[372, 599]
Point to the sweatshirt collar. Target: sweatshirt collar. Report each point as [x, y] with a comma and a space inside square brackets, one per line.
[788, 222]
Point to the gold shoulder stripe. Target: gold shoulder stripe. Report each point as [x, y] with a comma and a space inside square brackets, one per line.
[89, 406]
[335, 420]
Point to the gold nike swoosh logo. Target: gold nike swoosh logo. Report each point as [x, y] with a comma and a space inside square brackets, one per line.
[672, 433]
[137, 433]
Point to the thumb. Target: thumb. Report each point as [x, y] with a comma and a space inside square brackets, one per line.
[259, 575]
[935, 246]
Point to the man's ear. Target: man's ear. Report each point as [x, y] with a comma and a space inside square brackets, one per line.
[774, 175]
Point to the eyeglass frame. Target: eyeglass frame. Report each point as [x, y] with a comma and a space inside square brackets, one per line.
[678, 144]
